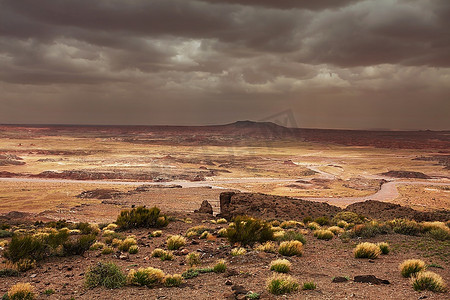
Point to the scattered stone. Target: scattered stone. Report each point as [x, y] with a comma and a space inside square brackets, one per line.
[238, 289]
[228, 282]
[339, 279]
[205, 208]
[370, 279]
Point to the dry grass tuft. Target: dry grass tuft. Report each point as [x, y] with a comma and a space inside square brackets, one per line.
[21, 291]
[411, 266]
[291, 248]
[367, 250]
[175, 242]
[426, 280]
[280, 266]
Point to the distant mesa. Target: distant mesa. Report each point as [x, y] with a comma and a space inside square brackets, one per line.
[406, 174]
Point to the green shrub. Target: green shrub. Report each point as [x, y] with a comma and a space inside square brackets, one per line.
[406, 227]
[440, 234]
[309, 286]
[369, 230]
[196, 230]
[252, 295]
[367, 250]
[105, 274]
[21, 291]
[322, 221]
[9, 272]
[247, 231]
[107, 250]
[220, 267]
[323, 234]
[86, 228]
[269, 247]
[313, 226]
[238, 251]
[145, 276]
[49, 292]
[291, 248]
[134, 249]
[193, 259]
[156, 233]
[280, 284]
[25, 264]
[175, 242]
[25, 246]
[173, 280]
[411, 266]
[141, 217]
[280, 266]
[348, 216]
[162, 254]
[292, 235]
[427, 280]
[5, 233]
[384, 247]
[78, 245]
[190, 273]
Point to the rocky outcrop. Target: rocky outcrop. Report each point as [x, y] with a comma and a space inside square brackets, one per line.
[406, 174]
[205, 208]
[269, 206]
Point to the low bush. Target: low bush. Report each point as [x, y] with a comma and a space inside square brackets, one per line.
[106, 274]
[190, 273]
[162, 254]
[313, 225]
[336, 230]
[291, 235]
[280, 266]
[238, 251]
[9, 272]
[309, 286]
[79, 244]
[280, 284]
[291, 248]
[221, 221]
[369, 230]
[247, 231]
[269, 247]
[384, 247]
[410, 267]
[367, 250]
[323, 234]
[145, 277]
[141, 217]
[134, 249]
[222, 232]
[406, 227]
[21, 291]
[220, 267]
[196, 230]
[342, 224]
[439, 234]
[289, 224]
[428, 281]
[5, 233]
[322, 221]
[25, 246]
[127, 243]
[107, 250]
[156, 233]
[193, 259]
[348, 216]
[97, 246]
[175, 242]
[173, 280]
[25, 264]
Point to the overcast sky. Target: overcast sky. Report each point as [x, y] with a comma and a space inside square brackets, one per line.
[333, 64]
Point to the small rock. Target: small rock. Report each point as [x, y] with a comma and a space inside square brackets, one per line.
[239, 289]
[339, 279]
[205, 208]
[33, 275]
[228, 282]
[370, 279]
[124, 256]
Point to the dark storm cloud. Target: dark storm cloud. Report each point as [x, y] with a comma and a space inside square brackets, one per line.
[221, 51]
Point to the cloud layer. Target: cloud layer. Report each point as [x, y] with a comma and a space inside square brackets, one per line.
[340, 64]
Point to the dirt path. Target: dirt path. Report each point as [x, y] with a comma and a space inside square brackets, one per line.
[387, 192]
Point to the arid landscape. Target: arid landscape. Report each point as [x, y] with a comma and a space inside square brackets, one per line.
[387, 180]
